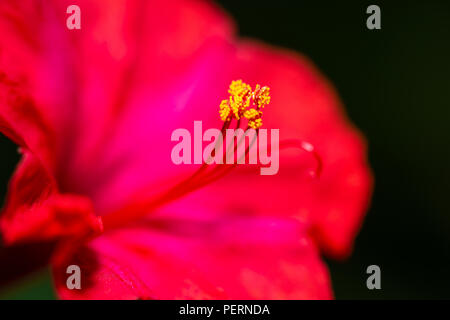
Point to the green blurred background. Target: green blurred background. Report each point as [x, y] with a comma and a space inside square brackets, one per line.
[396, 87]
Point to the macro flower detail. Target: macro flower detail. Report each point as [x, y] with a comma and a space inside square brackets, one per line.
[92, 112]
[244, 102]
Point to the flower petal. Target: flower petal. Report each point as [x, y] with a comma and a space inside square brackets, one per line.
[83, 101]
[305, 107]
[193, 259]
[97, 107]
[36, 211]
[174, 57]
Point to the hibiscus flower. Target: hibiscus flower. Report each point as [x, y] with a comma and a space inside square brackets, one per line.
[92, 111]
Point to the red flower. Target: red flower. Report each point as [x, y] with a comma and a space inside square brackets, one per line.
[93, 111]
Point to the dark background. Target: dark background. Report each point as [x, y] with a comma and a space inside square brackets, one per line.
[395, 85]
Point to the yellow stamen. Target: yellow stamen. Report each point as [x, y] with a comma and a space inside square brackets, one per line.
[239, 88]
[255, 124]
[225, 111]
[263, 97]
[252, 114]
[245, 102]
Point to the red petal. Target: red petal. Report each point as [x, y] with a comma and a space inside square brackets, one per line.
[36, 211]
[303, 106]
[36, 98]
[187, 259]
[108, 79]
[93, 94]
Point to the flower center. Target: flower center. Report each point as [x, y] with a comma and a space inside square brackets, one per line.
[243, 104]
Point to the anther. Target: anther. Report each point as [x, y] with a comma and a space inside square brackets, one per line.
[245, 103]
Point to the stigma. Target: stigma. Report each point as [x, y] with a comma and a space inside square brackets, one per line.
[244, 102]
